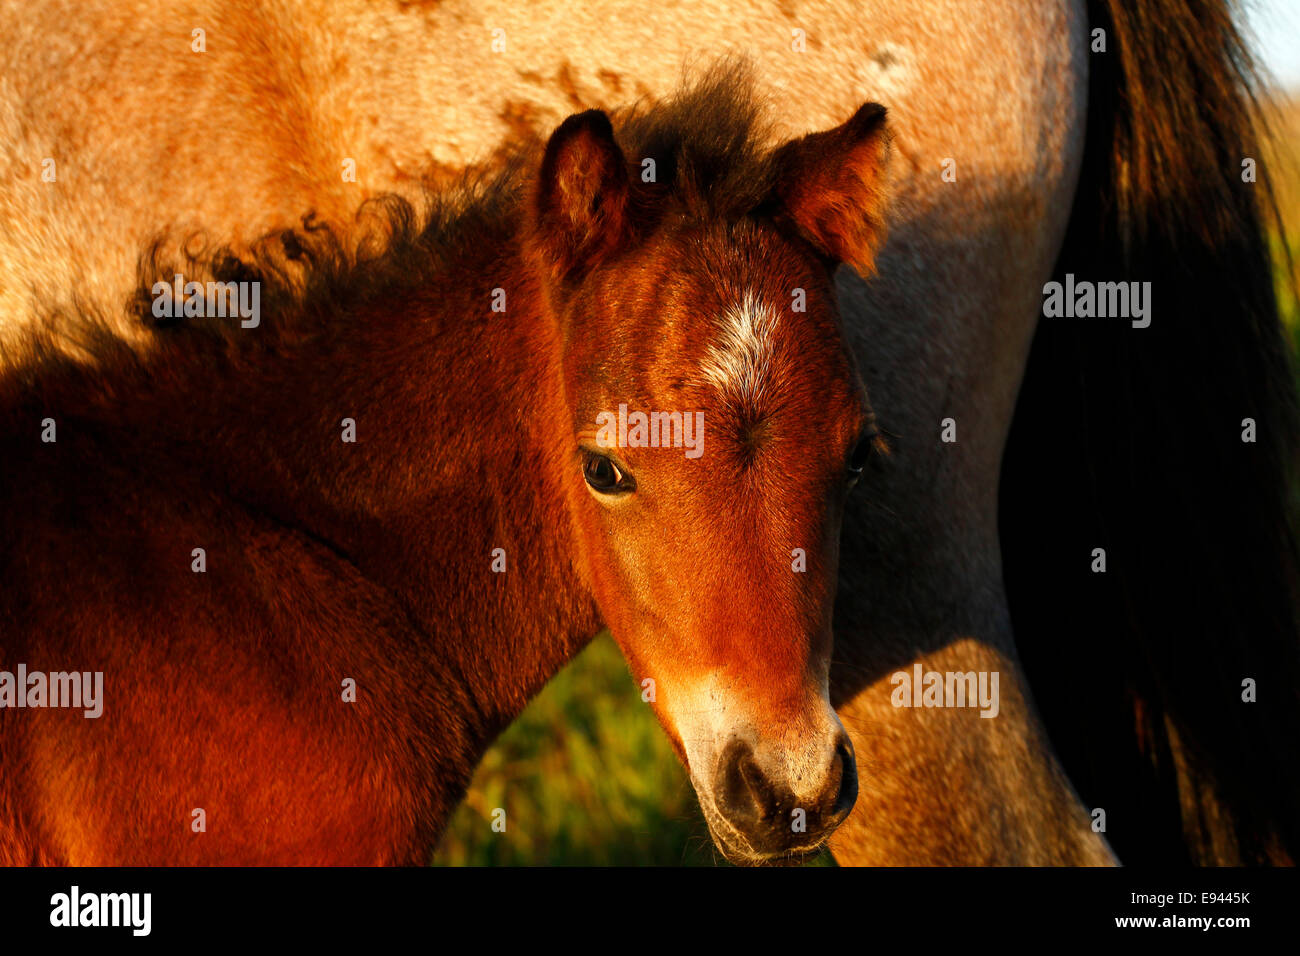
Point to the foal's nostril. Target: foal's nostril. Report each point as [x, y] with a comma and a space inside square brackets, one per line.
[848, 773]
[745, 794]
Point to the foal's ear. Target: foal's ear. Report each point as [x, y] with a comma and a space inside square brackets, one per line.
[582, 194]
[832, 187]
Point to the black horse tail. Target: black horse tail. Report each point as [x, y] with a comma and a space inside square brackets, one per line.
[1173, 448]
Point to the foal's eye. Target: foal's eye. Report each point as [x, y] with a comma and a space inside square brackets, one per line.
[862, 452]
[604, 476]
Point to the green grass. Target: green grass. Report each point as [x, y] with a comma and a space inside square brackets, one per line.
[586, 776]
[1288, 301]
[1283, 159]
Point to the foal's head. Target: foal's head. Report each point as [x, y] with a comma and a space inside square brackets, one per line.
[717, 426]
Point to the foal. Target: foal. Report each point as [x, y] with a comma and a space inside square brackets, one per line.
[321, 558]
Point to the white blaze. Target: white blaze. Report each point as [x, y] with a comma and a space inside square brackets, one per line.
[739, 363]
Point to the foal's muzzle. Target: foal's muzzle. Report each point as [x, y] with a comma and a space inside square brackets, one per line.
[758, 804]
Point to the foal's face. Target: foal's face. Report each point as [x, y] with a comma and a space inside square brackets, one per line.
[717, 427]
[711, 545]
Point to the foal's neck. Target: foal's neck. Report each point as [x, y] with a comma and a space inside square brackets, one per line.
[451, 495]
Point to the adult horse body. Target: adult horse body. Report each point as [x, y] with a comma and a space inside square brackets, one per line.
[320, 560]
[989, 103]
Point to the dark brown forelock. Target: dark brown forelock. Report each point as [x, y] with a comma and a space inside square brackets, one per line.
[708, 143]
